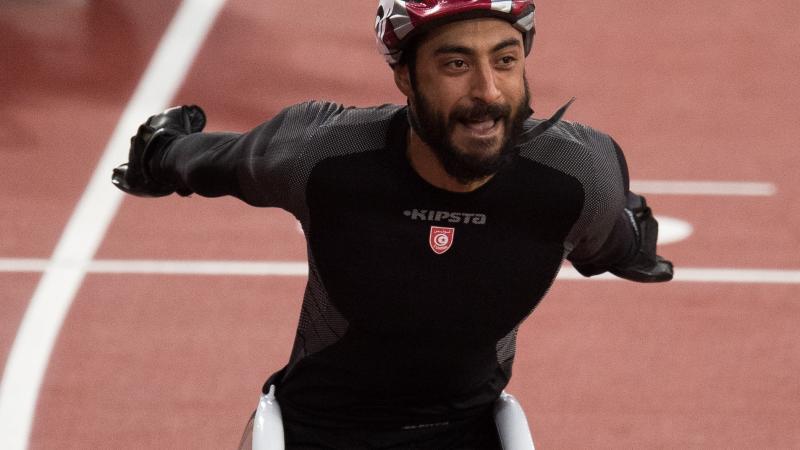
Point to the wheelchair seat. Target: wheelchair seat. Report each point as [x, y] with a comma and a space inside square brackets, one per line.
[509, 417]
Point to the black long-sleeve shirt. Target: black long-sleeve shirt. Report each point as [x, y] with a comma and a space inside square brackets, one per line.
[415, 294]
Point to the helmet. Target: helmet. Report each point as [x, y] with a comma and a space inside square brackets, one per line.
[398, 21]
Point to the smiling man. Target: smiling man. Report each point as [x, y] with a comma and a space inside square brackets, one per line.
[434, 229]
[469, 101]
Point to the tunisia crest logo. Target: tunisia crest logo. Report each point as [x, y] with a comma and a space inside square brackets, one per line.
[441, 239]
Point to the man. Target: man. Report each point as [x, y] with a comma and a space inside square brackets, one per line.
[433, 230]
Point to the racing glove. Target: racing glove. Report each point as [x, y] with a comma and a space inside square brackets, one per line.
[136, 176]
[644, 266]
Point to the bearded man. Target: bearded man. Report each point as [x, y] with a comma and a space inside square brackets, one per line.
[433, 228]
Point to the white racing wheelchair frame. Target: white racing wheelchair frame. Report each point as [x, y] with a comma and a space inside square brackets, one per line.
[512, 425]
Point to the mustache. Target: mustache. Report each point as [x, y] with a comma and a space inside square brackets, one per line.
[479, 111]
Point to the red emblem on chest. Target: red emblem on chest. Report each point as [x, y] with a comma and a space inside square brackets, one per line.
[441, 239]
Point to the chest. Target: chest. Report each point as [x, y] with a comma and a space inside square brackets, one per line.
[398, 255]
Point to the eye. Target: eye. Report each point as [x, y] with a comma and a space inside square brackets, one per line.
[507, 60]
[457, 64]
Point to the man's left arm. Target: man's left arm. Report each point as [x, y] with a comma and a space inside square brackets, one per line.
[629, 251]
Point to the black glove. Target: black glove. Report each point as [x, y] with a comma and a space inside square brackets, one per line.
[645, 266]
[135, 176]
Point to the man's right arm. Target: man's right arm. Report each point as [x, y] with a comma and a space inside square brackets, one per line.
[169, 154]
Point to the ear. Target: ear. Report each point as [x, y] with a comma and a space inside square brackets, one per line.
[402, 79]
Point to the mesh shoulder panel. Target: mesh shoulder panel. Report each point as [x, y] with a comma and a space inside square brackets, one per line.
[589, 156]
[284, 150]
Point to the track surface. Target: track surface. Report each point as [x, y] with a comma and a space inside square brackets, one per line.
[693, 90]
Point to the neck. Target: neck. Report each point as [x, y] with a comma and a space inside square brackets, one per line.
[424, 161]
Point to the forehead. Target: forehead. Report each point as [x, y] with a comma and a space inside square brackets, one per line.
[476, 34]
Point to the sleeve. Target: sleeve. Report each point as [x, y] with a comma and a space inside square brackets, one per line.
[614, 238]
[255, 166]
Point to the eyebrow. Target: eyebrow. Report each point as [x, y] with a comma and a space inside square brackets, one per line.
[445, 49]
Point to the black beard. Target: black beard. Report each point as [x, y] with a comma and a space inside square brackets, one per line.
[466, 167]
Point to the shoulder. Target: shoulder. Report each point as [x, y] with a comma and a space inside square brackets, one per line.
[342, 130]
[593, 159]
[580, 151]
[567, 143]
[333, 115]
[305, 127]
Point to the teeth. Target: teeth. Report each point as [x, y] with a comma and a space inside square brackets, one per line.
[481, 126]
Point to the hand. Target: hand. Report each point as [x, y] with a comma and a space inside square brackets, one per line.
[153, 136]
[645, 266]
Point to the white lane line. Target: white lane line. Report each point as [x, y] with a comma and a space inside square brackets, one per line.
[741, 276]
[724, 188]
[707, 275]
[299, 268]
[50, 303]
[162, 267]
[22, 265]
[671, 230]
[274, 268]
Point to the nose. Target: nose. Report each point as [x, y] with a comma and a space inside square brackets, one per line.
[484, 84]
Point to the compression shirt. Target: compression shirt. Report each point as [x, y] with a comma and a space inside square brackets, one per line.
[414, 294]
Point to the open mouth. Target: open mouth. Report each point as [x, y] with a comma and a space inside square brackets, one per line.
[482, 126]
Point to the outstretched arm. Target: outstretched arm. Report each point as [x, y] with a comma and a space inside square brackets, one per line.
[169, 154]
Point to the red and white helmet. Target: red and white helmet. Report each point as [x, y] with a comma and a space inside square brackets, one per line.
[400, 20]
